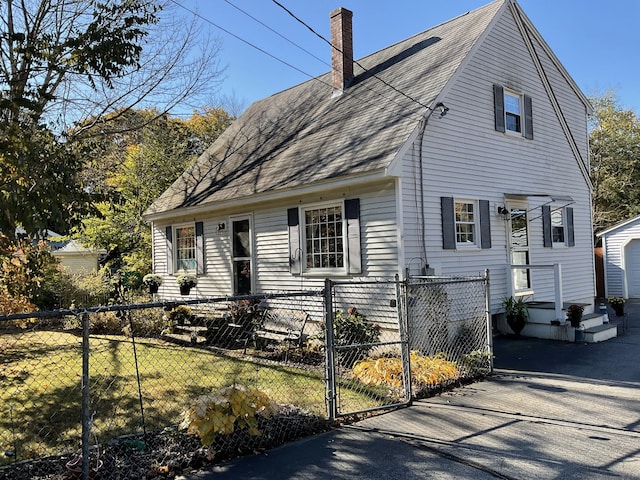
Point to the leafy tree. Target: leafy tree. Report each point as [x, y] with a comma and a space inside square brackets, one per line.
[65, 66]
[128, 170]
[614, 140]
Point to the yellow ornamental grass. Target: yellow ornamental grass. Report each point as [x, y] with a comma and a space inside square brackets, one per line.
[424, 370]
[223, 411]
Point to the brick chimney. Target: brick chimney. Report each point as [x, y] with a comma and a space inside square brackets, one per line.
[342, 50]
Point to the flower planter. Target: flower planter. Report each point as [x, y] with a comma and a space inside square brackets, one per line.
[153, 289]
[185, 290]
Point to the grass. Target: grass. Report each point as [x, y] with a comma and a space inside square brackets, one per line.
[41, 386]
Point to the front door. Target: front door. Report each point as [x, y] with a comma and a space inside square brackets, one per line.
[519, 245]
[241, 255]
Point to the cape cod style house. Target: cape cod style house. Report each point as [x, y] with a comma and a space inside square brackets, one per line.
[460, 149]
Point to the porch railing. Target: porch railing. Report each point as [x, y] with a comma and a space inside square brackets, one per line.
[557, 283]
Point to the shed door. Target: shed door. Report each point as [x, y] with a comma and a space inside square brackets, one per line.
[632, 267]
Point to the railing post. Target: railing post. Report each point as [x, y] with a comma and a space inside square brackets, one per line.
[510, 287]
[557, 279]
[329, 348]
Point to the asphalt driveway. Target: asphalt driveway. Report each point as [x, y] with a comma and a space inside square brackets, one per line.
[552, 410]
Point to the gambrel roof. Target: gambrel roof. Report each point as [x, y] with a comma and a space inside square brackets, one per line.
[306, 135]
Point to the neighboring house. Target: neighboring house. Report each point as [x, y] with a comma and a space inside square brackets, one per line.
[621, 258]
[76, 258]
[460, 149]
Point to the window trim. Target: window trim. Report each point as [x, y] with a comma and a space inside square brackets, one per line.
[563, 219]
[482, 234]
[568, 224]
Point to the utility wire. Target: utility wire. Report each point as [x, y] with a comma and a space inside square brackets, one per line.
[278, 33]
[196, 14]
[376, 105]
[354, 61]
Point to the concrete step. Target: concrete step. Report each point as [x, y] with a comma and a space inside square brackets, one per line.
[600, 333]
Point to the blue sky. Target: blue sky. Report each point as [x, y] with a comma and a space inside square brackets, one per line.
[597, 41]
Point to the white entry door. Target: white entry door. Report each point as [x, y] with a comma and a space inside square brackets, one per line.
[632, 268]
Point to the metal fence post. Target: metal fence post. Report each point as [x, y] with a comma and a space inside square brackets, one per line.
[489, 324]
[403, 327]
[86, 422]
[332, 410]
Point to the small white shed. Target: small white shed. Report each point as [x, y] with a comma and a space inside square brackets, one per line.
[621, 255]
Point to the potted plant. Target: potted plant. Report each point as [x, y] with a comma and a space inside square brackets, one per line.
[617, 304]
[152, 281]
[516, 312]
[186, 281]
[574, 315]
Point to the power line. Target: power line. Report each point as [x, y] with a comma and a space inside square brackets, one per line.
[354, 61]
[261, 50]
[278, 33]
[196, 14]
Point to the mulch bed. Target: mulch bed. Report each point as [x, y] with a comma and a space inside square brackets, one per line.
[170, 452]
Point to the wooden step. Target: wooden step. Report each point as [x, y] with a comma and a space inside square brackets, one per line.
[600, 333]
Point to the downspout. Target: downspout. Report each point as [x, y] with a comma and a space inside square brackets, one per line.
[423, 227]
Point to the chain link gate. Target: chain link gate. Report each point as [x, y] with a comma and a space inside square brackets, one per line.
[389, 341]
[366, 327]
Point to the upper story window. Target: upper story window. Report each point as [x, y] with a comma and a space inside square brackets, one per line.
[185, 248]
[513, 122]
[513, 112]
[324, 240]
[465, 218]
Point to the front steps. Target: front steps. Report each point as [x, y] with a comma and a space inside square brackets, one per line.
[543, 324]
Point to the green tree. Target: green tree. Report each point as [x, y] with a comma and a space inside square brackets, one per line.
[614, 140]
[64, 65]
[130, 169]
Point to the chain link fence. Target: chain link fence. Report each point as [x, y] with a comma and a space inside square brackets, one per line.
[153, 389]
[449, 330]
[155, 375]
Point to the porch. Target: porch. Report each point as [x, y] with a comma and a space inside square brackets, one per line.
[547, 318]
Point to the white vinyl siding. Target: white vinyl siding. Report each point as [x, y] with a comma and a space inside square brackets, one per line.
[619, 244]
[464, 158]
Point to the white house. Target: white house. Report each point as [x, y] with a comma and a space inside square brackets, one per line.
[621, 258]
[460, 149]
[76, 258]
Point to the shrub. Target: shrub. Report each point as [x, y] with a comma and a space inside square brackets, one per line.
[225, 410]
[179, 315]
[425, 371]
[149, 322]
[353, 328]
[476, 363]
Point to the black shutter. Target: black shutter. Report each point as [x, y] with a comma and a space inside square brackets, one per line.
[199, 248]
[169, 238]
[528, 118]
[448, 223]
[485, 224]
[295, 253]
[571, 241]
[352, 215]
[498, 104]
[546, 226]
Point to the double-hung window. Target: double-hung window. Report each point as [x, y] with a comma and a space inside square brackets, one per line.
[465, 223]
[186, 248]
[465, 218]
[557, 226]
[513, 112]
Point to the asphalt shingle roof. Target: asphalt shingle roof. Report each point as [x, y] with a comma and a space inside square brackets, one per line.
[303, 135]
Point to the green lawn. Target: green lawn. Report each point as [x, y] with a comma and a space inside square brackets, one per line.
[41, 376]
